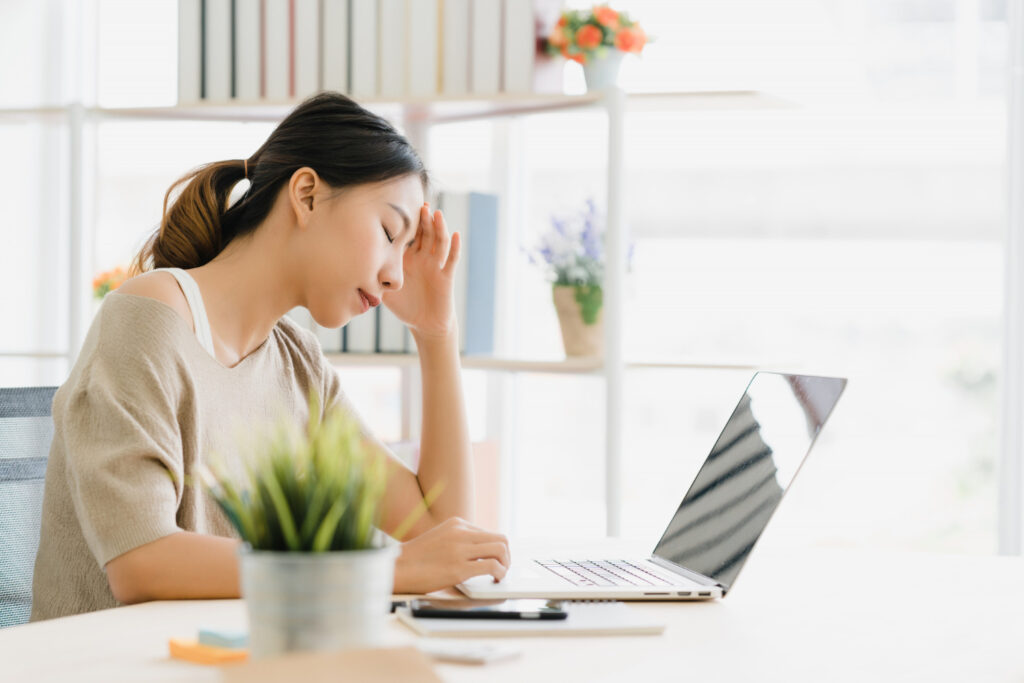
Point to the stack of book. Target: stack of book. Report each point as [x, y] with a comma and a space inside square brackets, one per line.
[279, 50]
[475, 216]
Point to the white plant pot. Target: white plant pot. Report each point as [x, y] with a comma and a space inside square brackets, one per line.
[316, 601]
[603, 72]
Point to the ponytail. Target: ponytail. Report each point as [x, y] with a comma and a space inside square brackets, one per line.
[191, 230]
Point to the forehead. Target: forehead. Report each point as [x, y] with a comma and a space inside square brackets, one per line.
[406, 191]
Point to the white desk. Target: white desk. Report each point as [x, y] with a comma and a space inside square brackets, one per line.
[822, 615]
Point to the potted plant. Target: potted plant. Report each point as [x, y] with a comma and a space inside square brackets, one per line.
[572, 254]
[314, 576]
[108, 281]
[597, 38]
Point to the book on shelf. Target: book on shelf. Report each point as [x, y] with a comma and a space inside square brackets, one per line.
[481, 278]
[361, 333]
[217, 49]
[334, 46]
[363, 54]
[247, 51]
[485, 47]
[306, 47]
[392, 47]
[277, 50]
[518, 47]
[474, 215]
[454, 47]
[190, 51]
[455, 207]
[391, 332]
[423, 47]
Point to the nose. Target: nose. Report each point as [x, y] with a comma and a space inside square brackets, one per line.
[391, 277]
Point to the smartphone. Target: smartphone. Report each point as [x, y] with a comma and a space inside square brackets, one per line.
[522, 608]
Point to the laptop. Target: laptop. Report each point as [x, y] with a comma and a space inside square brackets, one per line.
[724, 512]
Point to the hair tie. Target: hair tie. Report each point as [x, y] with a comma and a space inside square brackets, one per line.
[245, 165]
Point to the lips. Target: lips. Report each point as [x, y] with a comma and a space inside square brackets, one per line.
[369, 300]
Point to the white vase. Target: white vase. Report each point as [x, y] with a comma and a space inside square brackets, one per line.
[603, 71]
[316, 601]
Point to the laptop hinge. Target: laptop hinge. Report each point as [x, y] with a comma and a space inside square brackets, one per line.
[688, 573]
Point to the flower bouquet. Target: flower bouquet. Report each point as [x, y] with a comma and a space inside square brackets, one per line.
[597, 39]
[108, 281]
[572, 254]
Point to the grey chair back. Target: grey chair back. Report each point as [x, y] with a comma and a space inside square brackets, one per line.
[26, 430]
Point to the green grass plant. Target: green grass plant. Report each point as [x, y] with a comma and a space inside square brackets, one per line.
[312, 489]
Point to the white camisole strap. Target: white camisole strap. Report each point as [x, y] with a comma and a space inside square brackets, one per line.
[195, 302]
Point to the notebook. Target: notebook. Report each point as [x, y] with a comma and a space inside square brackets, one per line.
[586, 618]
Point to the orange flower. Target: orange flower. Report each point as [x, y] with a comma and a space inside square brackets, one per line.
[561, 22]
[606, 16]
[631, 39]
[588, 37]
[579, 57]
[557, 38]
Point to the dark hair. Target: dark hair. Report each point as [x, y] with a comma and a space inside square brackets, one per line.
[344, 143]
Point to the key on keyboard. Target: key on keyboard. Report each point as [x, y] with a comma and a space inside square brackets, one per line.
[602, 573]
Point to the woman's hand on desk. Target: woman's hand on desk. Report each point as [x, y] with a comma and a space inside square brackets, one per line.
[450, 553]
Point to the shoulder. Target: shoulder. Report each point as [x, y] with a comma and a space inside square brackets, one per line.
[160, 286]
[301, 343]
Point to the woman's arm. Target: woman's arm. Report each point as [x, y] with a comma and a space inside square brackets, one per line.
[181, 566]
[191, 566]
[445, 458]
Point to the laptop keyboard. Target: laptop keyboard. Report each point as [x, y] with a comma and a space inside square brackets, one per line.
[604, 573]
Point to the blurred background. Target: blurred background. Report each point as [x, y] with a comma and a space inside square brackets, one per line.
[859, 231]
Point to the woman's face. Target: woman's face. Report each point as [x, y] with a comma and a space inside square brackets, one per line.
[354, 241]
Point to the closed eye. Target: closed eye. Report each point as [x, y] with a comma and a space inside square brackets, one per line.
[387, 234]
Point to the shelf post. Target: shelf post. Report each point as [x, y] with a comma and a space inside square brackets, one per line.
[1011, 461]
[79, 244]
[616, 254]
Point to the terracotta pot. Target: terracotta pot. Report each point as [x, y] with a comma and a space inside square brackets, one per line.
[579, 338]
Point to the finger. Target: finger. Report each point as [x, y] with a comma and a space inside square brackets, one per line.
[496, 551]
[481, 567]
[474, 534]
[417, 239]
[443, 239]
[453, 254]
[426, 231]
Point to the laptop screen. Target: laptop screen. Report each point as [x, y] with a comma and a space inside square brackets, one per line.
[742, 481]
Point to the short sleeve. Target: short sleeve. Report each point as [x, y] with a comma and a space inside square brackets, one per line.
[123, 448]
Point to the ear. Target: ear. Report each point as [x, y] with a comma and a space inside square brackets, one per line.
[302, 188]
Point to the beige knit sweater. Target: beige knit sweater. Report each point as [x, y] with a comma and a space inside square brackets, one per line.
[142, 407]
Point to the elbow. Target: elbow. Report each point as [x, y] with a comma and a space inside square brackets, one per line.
[127, 581]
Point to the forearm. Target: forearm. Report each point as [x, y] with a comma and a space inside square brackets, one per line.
[184, 565]
[445, 457]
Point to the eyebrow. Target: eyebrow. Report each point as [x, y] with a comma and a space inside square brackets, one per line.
[402, 213]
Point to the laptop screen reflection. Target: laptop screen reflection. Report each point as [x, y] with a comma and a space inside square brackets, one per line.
[742, 481]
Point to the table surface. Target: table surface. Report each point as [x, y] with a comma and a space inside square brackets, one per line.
[809, 615]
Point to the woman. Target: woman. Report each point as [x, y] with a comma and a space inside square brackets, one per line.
[184, 357]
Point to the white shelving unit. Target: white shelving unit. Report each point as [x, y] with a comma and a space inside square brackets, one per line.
[416, 116]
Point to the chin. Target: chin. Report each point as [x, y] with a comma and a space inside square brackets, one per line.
[333, 319]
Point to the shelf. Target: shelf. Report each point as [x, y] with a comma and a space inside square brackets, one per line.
[433, 110]
[579, 366]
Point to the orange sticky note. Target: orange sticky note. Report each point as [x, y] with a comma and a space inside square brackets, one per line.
[192, 651]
